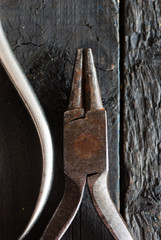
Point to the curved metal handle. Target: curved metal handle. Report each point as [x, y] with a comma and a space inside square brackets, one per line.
[106, 208]
[25, 91]
[67, 209]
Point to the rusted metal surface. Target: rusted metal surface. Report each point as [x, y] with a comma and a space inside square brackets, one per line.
[85, 154]
[92, 95]
[67, 209]
[76, 93]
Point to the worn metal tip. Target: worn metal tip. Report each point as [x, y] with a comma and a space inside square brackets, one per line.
[75, 101]
[85, 92]
[92, 93]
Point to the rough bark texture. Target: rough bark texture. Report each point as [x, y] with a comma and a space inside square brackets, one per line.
[142, 120]
[44, 36]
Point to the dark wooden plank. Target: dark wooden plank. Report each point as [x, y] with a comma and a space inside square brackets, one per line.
[44, 36]
[142, 122]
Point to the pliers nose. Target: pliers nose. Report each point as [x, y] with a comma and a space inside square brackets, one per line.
[85, 89]
[85, 154]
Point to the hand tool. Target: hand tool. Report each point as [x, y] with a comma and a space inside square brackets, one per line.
[25, 91]
[85, 146]
[85, 154]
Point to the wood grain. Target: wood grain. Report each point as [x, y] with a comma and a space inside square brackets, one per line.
[142, 120]
[44, 36]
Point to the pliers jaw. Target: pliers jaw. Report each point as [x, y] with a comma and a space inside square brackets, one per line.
[85, 94]
[85, 154]
[85, 122]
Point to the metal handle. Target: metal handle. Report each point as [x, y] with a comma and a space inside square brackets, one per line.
[25, 91]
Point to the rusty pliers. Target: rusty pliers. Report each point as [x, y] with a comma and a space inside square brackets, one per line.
[85, 146]
[85, 154]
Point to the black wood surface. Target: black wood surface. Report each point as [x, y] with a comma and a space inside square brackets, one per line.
[142, 119]
[44, 36]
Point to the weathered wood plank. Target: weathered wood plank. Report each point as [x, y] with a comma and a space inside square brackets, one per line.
[142, 122]
[44, 36]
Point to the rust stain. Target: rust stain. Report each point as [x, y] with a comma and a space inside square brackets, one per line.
[86, 146]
